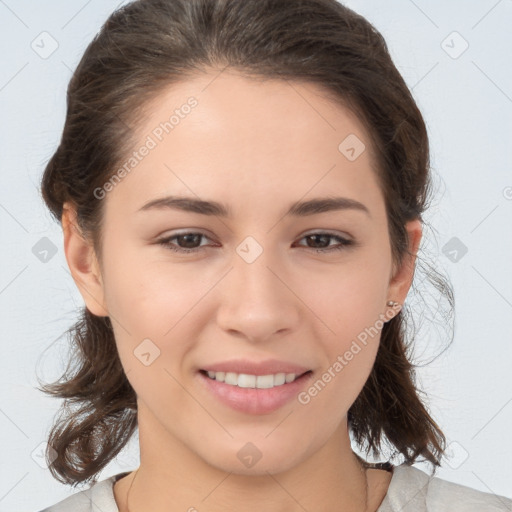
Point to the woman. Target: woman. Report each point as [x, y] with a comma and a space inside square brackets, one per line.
[241, 186]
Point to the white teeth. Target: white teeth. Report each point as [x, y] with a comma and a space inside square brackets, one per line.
[244, 380]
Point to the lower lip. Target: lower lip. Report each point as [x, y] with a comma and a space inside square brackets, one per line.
[253, 400]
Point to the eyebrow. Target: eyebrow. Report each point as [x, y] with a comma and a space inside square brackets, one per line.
[297, 209]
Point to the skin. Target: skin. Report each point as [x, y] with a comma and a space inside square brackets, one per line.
[257, 147]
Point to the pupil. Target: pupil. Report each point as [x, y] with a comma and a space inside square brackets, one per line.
[188, 238]
[316, 237]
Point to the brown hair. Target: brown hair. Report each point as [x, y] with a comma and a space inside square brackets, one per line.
[143, 48]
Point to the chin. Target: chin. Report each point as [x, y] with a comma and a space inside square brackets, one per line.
[255, 459]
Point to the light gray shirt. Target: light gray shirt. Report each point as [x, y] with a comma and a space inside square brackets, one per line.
[410, 490]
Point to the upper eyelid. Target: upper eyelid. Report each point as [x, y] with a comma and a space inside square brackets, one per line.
[318, 231]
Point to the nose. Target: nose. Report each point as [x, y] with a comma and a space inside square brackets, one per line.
[258, 300]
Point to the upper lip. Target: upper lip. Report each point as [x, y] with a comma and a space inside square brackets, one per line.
[266, 367]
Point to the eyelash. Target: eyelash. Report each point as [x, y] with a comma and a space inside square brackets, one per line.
[345, 243]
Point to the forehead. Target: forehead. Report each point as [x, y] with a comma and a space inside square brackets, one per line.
[246, 140]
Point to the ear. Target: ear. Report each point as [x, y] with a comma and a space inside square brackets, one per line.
[82, 262]
[401, 280]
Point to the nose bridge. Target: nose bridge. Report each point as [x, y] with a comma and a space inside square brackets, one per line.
[256, 301]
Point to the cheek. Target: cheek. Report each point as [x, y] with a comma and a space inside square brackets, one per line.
[150, 305]
[150, 308]
[148, 297]
[350, 358]
[350, 307]
[351, 300]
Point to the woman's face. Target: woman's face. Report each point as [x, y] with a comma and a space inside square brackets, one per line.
[254, 286]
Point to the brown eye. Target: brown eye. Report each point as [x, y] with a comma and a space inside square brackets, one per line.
[185, 242]
[188, 242]
[323, 239]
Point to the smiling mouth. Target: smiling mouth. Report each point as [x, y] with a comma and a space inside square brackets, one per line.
[244, 380]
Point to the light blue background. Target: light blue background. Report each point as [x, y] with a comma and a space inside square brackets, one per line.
[467, 105]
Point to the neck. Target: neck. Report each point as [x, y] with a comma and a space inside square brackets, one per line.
[171, 477]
